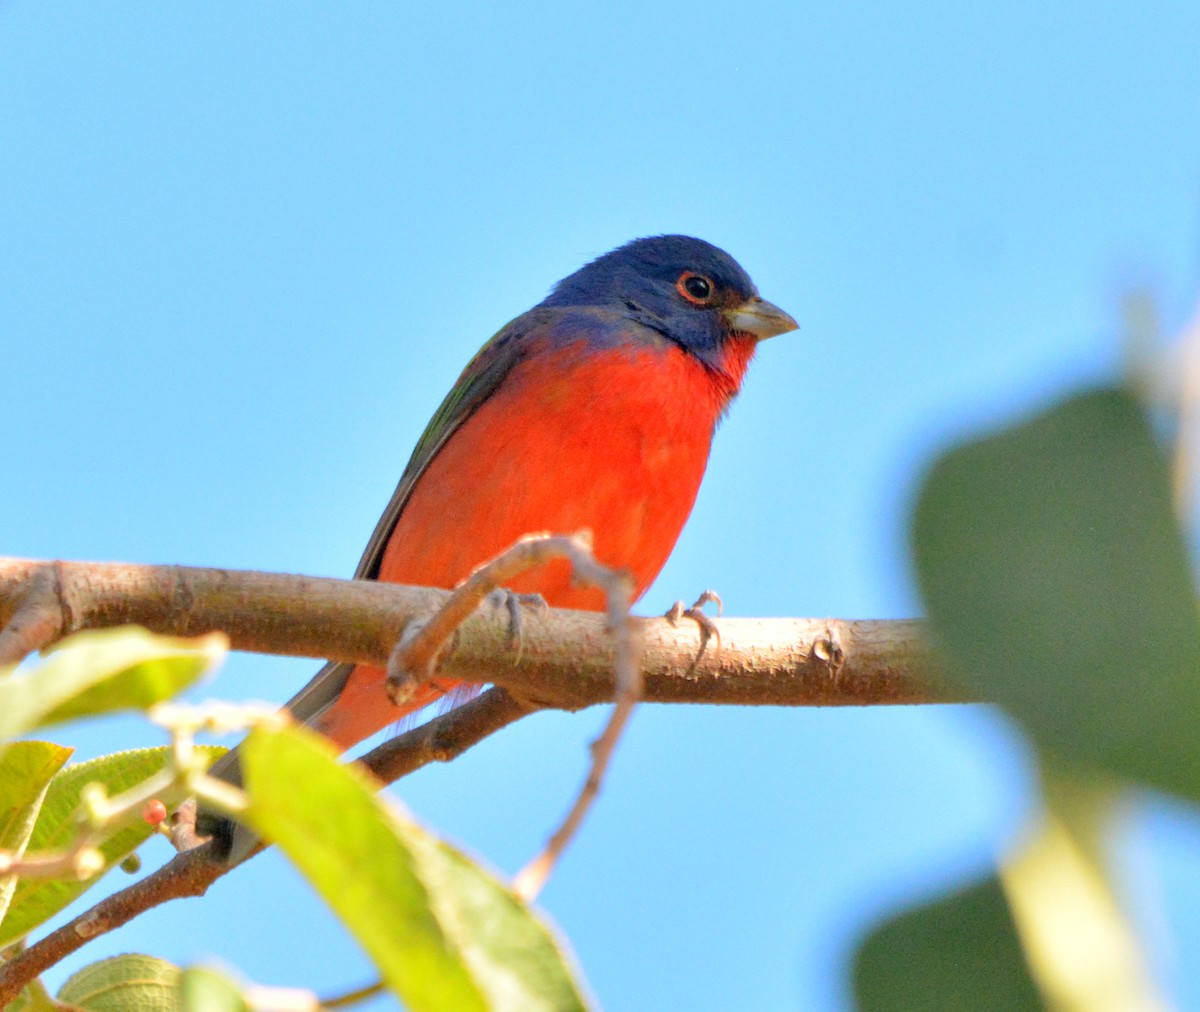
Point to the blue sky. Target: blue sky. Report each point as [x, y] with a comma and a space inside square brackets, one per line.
[247, 249]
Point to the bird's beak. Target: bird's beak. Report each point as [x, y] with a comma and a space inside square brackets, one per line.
[759, 317]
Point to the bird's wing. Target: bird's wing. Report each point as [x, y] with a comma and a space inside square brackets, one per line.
[479, 380]
[483, 374]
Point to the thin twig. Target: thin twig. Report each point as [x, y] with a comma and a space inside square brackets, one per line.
[1187, 434]
[353, 997]
[445, 738]
[528, 882]
[188, 874]
[416, 656]
[100, 816]
[80, 859]
[192, 872]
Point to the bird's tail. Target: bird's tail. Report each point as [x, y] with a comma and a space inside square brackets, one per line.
[344, 702]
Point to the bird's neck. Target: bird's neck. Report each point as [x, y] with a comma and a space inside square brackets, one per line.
[729, 369]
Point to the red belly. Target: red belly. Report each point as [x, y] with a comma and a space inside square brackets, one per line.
[614, 441]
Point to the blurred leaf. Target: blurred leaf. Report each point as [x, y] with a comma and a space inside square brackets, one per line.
[202, 989]
[101, 671]
[961, 952]
[1083, 950]
[36, 900]
[129, 983]
[1057, 582]
[443, 933]
[26, 769]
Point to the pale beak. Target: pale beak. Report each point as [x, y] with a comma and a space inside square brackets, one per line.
[759, 317]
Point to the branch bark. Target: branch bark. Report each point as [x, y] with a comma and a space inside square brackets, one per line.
[565, 662]
[566, 658]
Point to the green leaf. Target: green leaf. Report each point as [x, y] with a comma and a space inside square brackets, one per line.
[202, 989]
[101, 671]
[129, 983]
[26, 769]
[349, 846]
[961, 952]
[443, 933]
[1057, 583]
[36, 900]
[506, 947]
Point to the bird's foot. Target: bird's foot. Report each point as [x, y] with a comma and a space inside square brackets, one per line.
[708, 626]
[513, 602]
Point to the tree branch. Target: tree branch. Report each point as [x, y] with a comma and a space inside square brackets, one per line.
[566, 660]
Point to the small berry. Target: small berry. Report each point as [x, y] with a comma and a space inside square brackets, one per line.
[154, 812]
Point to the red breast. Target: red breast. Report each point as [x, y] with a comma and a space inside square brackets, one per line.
[612, 440]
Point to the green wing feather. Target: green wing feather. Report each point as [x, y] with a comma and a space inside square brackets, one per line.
[477, 383]
[483, 374]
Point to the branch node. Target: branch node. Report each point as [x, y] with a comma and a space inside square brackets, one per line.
[183, 598]
[829, 651]
[40, 617]
[89, 926]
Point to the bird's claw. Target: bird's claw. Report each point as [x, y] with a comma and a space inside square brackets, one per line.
[708, 627]
[513, 602]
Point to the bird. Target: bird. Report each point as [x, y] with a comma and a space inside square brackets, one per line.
[595, 410]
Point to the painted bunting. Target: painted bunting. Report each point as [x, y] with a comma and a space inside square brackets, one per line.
[595, 409]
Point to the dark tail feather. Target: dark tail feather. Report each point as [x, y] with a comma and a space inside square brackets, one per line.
[220, 827]
[233, 841]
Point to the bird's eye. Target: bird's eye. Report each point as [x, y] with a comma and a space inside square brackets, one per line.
[696, 288]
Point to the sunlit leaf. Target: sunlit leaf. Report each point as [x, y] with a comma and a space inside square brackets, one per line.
[1080, 943]
[443, 933]
[1057, 583]
[129, 983]
[202, 989]
[26, 769]
[101, 671]
[36, 900]
[508, 950]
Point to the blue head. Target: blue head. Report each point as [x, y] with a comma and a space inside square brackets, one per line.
[690, 291]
